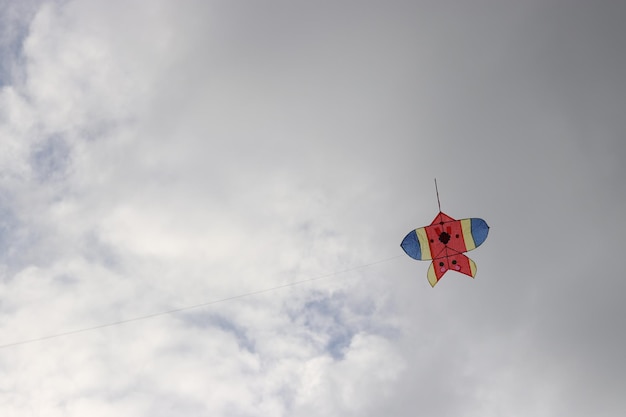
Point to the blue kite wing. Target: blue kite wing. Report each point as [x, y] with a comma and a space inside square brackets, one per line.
[480, 230]
[411, 245]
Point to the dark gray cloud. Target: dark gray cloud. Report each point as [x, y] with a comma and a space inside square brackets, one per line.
[14, 20]
[51, 159]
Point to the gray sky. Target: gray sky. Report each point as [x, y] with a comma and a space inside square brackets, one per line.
[162, 155]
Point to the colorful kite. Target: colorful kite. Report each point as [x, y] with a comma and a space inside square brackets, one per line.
[444, 241]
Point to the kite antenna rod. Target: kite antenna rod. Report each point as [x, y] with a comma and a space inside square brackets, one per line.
[437, 190]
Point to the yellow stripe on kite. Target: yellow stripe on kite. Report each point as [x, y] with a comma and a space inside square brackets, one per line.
[432, 278]
[466, 226]
[424, 245]
[472, 267]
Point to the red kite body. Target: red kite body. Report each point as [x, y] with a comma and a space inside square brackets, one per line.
[444, 241]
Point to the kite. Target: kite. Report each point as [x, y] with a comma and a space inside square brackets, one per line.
[444, 241]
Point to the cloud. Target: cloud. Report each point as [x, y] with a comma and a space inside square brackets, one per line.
[166, 157]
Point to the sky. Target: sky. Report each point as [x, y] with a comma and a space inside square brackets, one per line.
[262, 161]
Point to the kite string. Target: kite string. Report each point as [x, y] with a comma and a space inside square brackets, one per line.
[437, 191]
[205, 304]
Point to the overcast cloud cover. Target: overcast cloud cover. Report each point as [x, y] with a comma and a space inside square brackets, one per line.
[161, 154]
